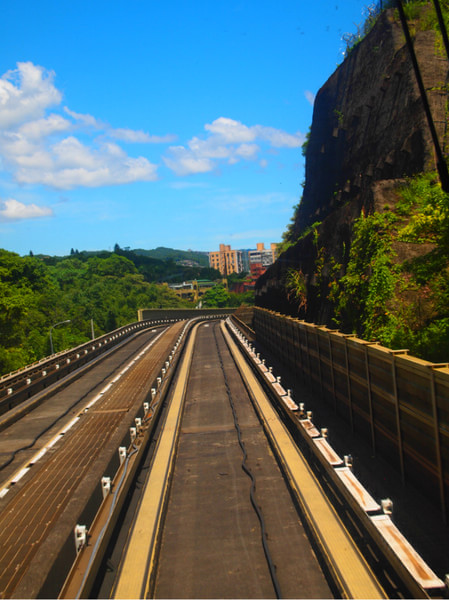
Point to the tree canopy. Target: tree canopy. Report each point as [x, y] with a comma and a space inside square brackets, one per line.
[34, 296]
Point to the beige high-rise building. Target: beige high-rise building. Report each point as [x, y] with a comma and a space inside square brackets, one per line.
[226, 261]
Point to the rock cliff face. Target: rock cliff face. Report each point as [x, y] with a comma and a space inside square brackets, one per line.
[369, 131]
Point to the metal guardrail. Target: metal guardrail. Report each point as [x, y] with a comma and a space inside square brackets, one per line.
[399, 402]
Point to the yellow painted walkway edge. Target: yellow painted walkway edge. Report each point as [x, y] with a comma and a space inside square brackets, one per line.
[138, 562]
[352, 573]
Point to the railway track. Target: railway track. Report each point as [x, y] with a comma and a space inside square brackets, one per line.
[219, 508]
[21, 438]
[227, 498]
[42, 501]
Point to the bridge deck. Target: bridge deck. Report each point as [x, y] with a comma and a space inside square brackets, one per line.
[211, 532]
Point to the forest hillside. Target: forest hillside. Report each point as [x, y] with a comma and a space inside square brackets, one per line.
[99, 290]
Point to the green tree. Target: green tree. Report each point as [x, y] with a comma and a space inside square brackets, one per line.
[216, 297]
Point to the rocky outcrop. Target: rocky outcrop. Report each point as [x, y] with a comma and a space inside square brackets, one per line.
[369, 131]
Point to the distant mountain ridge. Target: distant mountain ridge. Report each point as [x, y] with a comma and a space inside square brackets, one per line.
[163, 253]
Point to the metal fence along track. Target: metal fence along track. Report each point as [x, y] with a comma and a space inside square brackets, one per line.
[399, 402]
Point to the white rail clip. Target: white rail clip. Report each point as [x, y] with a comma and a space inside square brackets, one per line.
[106, 486]
[122, 454]
[132, 433]
[138, 422]
[159, 381]
[348, 460]
[80, 537]
[153, 393]
[324, 432]
[146, 408]
[387, 506]
[309, 415]
[278, 379]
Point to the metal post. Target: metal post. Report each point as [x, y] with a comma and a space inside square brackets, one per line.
[436, 426]
[348, 380]
[397, 410]
[303, 366]
[320, 373]
[51, 329]
[331, 356]
[308, 358]
[370, 398]
[297, 349]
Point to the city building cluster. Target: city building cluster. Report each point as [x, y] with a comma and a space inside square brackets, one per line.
[229, 261]
[254, 262]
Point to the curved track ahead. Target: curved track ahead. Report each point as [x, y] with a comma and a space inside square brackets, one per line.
[221, 532]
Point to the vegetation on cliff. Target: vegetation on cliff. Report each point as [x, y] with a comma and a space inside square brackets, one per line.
[392, 292]
[377, 263]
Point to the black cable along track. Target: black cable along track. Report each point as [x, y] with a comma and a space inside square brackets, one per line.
[245, 468]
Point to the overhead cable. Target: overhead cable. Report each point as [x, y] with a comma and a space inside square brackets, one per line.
[441, 162]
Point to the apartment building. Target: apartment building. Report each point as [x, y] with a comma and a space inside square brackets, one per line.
[226, 260]
[262, 256]
[229, 261]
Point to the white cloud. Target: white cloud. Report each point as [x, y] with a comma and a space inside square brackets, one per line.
[278, 138]
[184, 162]
[230, 131]
[227, 140]
[42, 147]
[74, 164]
[310, 97]
[125, 135]
[41, 128]
[13, 210]
[133, 136]
[247, 151]
[25, 94]
[86, 120]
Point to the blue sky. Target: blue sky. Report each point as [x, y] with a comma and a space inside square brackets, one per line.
[149, 123]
